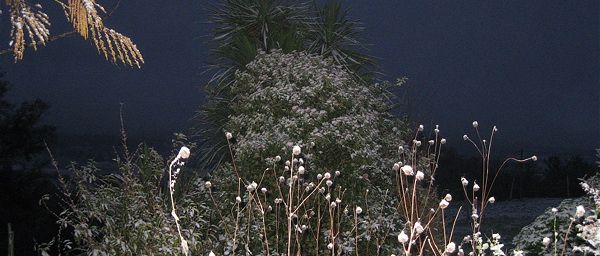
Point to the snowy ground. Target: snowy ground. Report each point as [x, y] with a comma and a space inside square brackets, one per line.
[505, 217]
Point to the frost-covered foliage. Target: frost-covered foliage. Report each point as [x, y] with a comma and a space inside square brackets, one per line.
[127, 211]
[575, 220]
[346, 134]
[301, 99]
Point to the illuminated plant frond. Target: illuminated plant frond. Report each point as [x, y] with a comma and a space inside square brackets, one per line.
[24, 17]
[116, 47]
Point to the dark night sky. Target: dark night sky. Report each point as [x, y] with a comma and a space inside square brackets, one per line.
[530, 67]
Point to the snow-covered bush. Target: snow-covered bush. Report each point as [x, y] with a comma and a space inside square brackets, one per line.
[127, 211]
[346, 134]
[571, 227]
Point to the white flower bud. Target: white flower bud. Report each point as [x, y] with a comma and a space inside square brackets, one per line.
[421, 127]
[339, 201]
[475, 124]
[333, 205]
[464, 181]
[495, 129]
[431, 142]
[418, 143]
[327, 175]
[476, 187]
[492, 200]
[263, 190]
[238, 199]
[277, 158]
[534, 158]
[228, 135]
[443, 141]
[396, 167]
[337, 173]
[329, 183]
[465, 137]
[207, 184]
[319, 176]
[330, 246]
[554, 210]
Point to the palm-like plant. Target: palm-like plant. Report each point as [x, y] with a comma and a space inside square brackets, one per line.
[245, 27]
[335, 35]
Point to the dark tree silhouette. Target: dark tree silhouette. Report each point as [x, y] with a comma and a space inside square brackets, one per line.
[22, 181]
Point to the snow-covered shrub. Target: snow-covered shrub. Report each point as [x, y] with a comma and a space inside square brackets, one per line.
[574, 220]
[343, 127]
[127, 211]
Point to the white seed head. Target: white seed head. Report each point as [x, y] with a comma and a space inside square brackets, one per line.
[464, 181]
[580, 211]
[418, 227]
[281, 179]
[448, 197]
[333, 205]
[546, 241]
[207, 184]
[407, 170]
[431, 142]
[534, 158]
[492, 200]
[329, 183]
[465, 137]
[476, 187]
[451, 247]
[301, 170]
[396, 167]
[337, 173]
[443, 141]
[421, 127]
[475, 124]
[554, 210]
[263, 190]
[444, 204]
[339, 201]
[228, 135]
[330, 246]
[420, 175]
[418, 143]
[402, 237]
[327, 175]
[296, 150]
[238, 199]
[211, 253]
[184, 152]
[277, 158]
[319, 176]
[495, 129]
[358, 210]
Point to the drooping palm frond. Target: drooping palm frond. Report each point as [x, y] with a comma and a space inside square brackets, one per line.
[25, 17]
[115, 47]
[85, 17]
